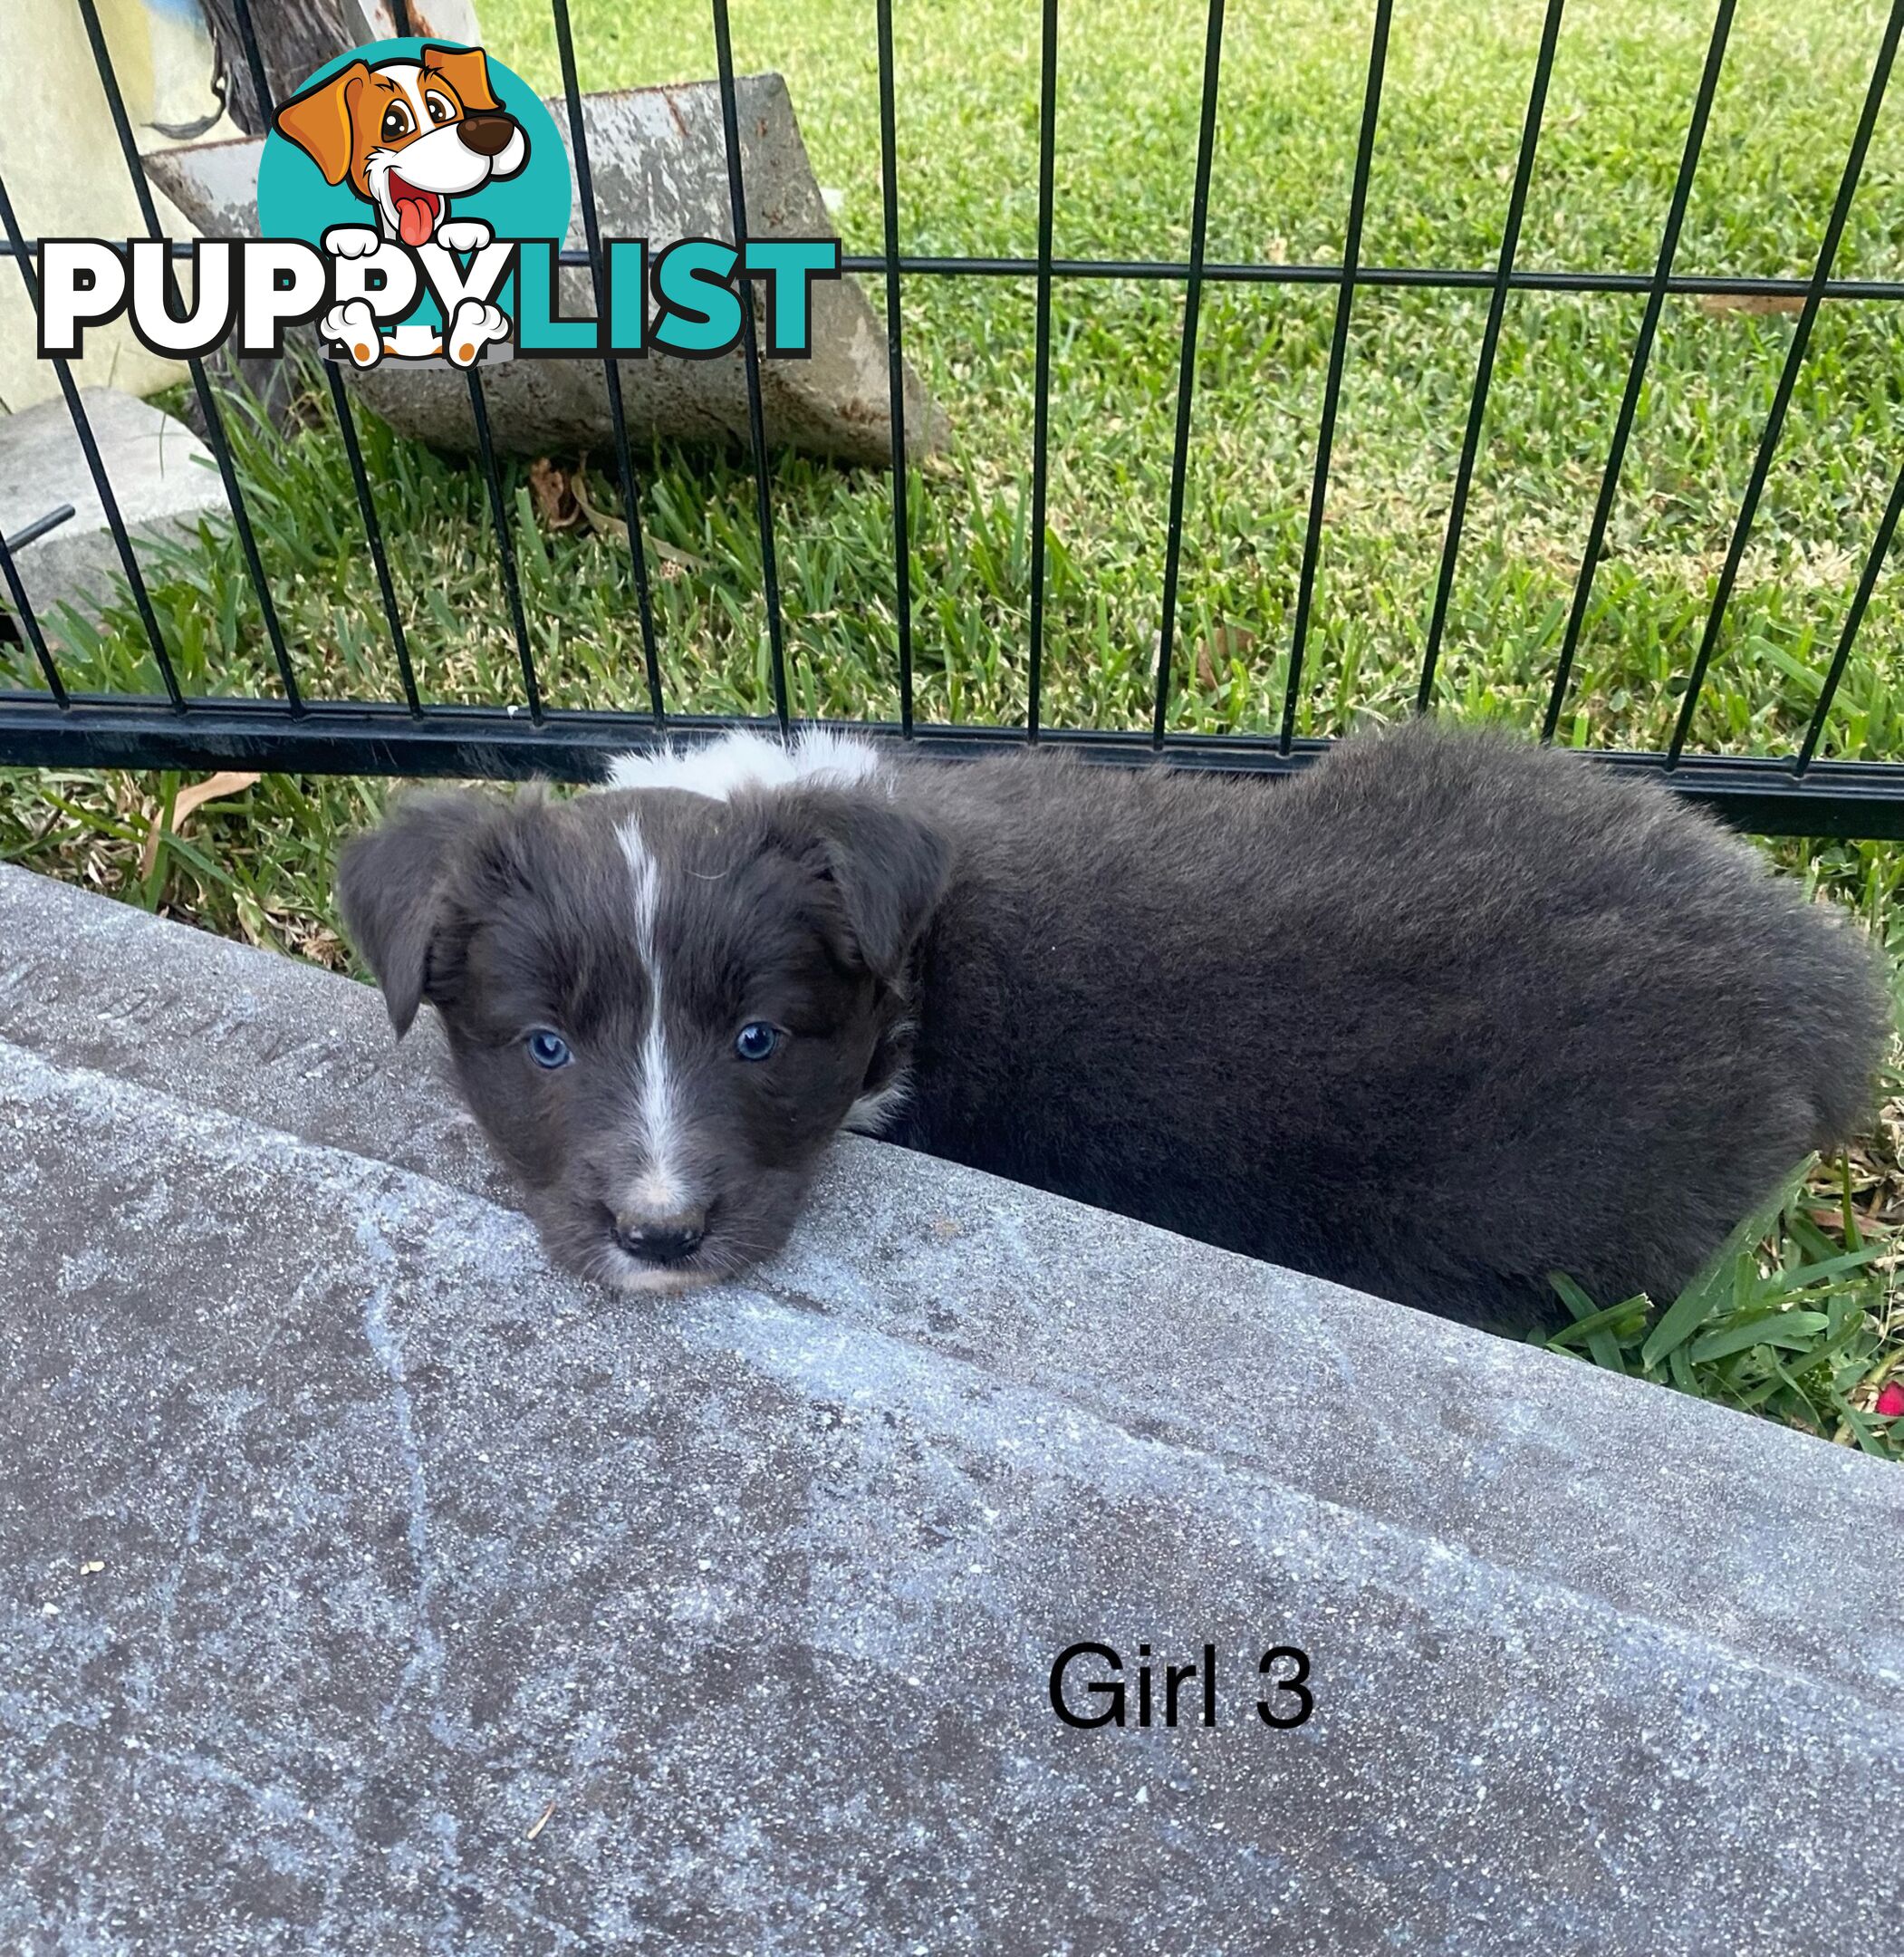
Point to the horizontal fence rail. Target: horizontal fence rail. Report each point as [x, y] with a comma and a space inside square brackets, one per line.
[1173, 271]
[62, 726]
[1769, 796]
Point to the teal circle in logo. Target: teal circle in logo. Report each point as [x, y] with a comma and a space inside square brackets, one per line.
[336, 152]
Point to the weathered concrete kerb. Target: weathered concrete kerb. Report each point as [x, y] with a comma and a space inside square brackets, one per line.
[368, 1587]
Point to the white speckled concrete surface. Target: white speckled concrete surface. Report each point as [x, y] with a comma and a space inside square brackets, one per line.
[340, 1538]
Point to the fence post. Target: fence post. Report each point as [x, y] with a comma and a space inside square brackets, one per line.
[1338, 357]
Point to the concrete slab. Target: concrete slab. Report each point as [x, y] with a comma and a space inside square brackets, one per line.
[660, 160]
[405, 1544]
[162, 475]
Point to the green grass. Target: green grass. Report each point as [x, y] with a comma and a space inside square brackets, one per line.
[1127, 122]
[1784, 1319]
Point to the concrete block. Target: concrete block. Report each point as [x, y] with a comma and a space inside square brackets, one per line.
[162, 475]
[367, 1584]
[661, 174]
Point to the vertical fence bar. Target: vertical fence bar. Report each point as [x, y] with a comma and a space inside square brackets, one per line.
[896, 378]
[498, 504]
[215, 434]
[1338, 357]
[1187, 369]
[611, 369]
[1041, 357]
[1788, 378]
[346, 422]
[1643, 354]
[750, 356]
[504, 544]
[1853, 619]
[254, 61]
[29, 621]
[96, 466]
[479, 415]
[1490, 346]
[373, 536]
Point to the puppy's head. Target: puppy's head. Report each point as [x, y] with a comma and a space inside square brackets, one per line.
[409, 135]
[660, 1006]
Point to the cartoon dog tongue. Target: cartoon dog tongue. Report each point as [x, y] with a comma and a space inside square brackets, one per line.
[413, 214]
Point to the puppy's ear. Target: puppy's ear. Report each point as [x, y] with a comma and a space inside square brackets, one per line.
[393, 890]
[319, 120]
[889, 868]
[466, 70]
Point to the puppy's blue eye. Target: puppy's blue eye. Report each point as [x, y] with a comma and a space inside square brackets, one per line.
[549, 1049]
[756, 1041]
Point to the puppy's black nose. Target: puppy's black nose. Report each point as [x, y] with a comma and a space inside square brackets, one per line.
[487, 135]
[661, 1241]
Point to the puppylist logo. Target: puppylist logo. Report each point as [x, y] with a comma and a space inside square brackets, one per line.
[412, 201]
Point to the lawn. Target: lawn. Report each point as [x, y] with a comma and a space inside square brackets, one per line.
[1129, 85]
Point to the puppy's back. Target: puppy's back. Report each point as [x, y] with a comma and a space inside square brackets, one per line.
[1673, 931]
[1445, 1013]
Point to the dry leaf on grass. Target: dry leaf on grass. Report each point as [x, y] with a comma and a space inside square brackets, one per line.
[555, 502]
[1226, 643]
[1715, 305]
[613, 526]
[193, 795]
[598, 519]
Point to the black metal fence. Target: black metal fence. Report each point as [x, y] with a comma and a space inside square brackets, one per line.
[1797, 792]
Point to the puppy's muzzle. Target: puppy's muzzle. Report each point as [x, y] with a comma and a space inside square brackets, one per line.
[487, 135]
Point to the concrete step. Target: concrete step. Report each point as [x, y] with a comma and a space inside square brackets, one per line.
[163, 478]
[408, 1543]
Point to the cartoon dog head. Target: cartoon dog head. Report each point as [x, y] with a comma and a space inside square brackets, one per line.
[407, 136]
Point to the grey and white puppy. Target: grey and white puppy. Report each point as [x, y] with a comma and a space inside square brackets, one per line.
[1445, 1014]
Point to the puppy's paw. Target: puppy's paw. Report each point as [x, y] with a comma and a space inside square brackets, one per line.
[472, 327]
[351, 241]
[353, 326]
[464, 233]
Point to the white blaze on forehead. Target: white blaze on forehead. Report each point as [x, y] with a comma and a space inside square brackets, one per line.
[748, 760]
[660, 1191]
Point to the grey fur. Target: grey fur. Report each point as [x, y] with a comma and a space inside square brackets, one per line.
[1445, 1013]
